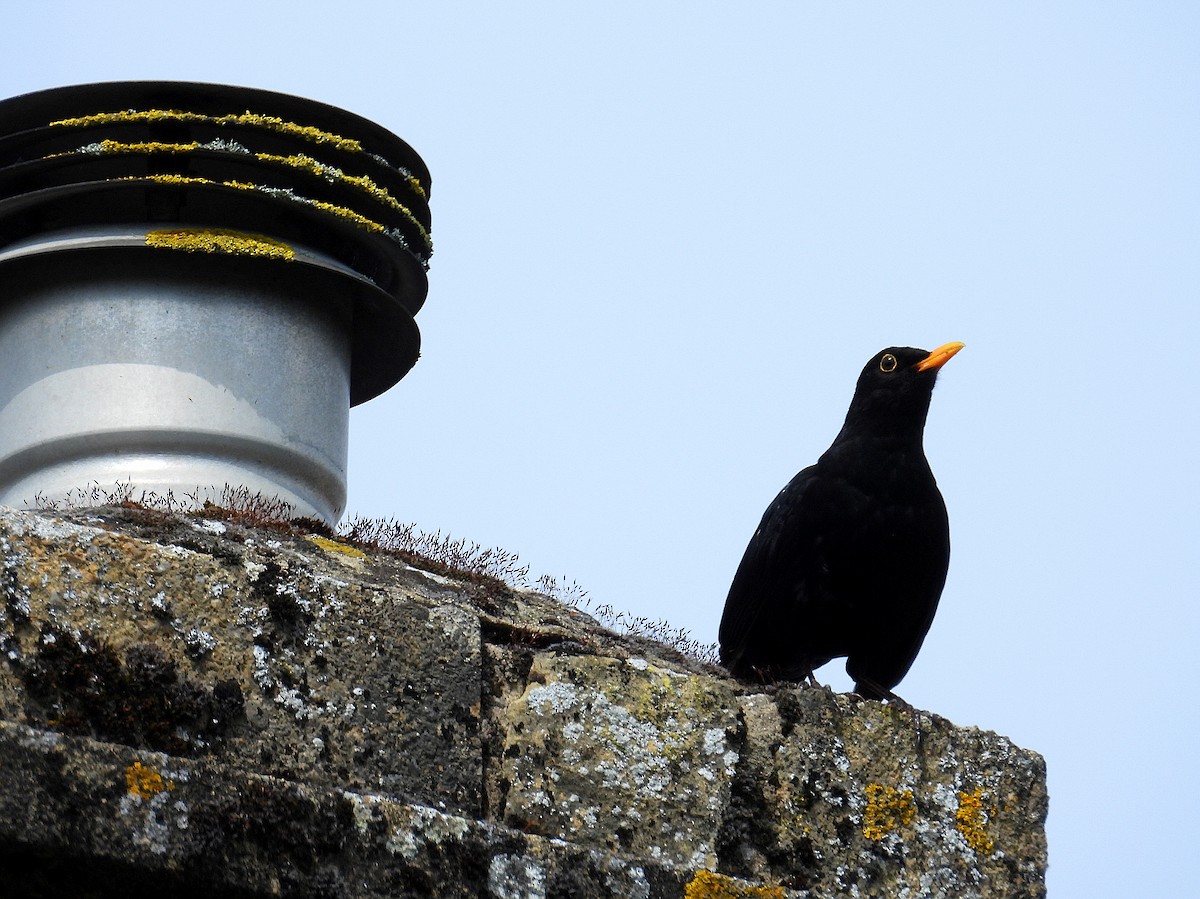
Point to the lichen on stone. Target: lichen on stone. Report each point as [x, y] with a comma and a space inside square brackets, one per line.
[971, 818]
[145, 782]
[887, 809]
[516, 877]
[547, 755]
[634, 758]
[709, 885]
[335, 546]
[420, 827]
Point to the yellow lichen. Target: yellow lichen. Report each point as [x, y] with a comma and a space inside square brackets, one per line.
[361, 220]
[300, 161]
[220, 240]
[887, 809]
[307, 132]
[153, 146]
[168, 179]
[334, 546]
[116, 146]
[707, 885]
[361, 182]
[970, 820]
[340, 211]
[145, 783]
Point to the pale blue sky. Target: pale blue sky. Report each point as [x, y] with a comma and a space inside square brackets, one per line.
[669, 235]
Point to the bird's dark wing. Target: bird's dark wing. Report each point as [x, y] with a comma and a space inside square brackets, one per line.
[773, 623]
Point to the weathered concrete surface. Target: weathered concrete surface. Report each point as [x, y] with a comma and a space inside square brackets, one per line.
[907, 804]
[246, 649]
[197, 706]
[623, 754]
[72, 807]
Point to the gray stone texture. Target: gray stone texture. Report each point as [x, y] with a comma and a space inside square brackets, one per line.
[193, 704]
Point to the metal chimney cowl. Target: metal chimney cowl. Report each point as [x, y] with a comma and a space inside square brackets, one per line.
[197, 281]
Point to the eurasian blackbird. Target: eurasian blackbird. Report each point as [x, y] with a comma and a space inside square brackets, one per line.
[851, 557]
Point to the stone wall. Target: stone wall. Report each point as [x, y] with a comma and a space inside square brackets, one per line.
[195, 705]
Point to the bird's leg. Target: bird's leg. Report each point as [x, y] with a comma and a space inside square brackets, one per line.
[899, 704]
[869, 689]
[810, 681]
[865, 688]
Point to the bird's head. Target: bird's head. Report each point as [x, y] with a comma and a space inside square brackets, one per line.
[895, 387]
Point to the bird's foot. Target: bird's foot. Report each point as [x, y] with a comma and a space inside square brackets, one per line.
[869, 689]
[900, 705]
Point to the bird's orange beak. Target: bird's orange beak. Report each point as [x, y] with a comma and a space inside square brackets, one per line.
[940, 356]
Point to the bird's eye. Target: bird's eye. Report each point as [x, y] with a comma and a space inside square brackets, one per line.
[887, 364]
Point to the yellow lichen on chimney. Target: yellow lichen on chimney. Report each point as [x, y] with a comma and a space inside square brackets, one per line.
[168, 179]
[272, 123]
[361, 182]
[219, 240]
[342, 211]
[116, 146]
[152, 146]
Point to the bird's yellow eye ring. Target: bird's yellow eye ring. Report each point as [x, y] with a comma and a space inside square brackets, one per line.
[887, 364]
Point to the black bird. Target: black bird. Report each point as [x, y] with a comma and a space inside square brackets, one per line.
[851, 557]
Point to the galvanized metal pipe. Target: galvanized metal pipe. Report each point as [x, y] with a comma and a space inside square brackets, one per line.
[184, 331]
